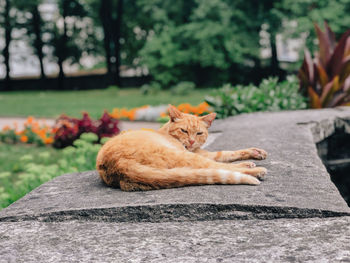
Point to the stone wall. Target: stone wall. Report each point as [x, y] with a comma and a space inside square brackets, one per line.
[296, 214]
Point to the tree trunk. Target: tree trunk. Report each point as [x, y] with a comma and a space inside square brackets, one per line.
[38, 43]
[117, 37]
[6, 52]
[274, 67]
[62, 48]
[106, 19]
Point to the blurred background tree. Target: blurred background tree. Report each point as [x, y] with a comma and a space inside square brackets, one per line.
[28, 19]
[208, 42]
[305, 13]
[7, 24]
[214, 41]
[68, 41]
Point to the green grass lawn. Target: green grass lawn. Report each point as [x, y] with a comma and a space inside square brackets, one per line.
[53, 103]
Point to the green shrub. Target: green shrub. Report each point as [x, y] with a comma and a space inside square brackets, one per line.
[151, 89]
[183, 88]
[269, 96]
[163, 120]
[81, 157]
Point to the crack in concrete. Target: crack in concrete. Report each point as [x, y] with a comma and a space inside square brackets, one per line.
[178, 213]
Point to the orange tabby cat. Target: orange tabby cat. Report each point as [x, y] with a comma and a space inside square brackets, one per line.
[171, 157]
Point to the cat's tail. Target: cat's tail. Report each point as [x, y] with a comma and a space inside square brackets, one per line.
[142, 177]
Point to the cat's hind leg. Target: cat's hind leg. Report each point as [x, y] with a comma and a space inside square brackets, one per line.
[142, 177]
[193, 160]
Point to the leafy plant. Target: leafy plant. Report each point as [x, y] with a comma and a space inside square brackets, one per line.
[183, 88]
[269, 96]
[70, 129]
[38, 170]
[326, 79]
[8, 135]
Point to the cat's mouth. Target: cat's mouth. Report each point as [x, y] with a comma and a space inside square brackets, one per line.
[189, 148]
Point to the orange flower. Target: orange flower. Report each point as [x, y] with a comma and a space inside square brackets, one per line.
[35, 130]
[197, 110]
[48, 140]
[184, 107]
[24, 138]
[35, 125]
[123, 113]
[41, 133]
[30, 120]
[6, 128]
[115, 113]
[132, 114]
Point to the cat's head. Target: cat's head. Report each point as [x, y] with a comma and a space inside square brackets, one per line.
[190, 130]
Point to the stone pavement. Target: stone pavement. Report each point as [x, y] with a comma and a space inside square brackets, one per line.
[295, 215]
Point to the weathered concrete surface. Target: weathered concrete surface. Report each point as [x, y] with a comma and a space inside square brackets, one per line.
[297, 177]
[76, 217]
[83, 196]
[282, 240]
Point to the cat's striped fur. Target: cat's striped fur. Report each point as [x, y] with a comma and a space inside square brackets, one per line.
[171, 157]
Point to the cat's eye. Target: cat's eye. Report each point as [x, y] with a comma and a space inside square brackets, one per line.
[199, 133]
[184, 131]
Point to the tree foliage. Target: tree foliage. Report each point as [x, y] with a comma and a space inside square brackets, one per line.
[308, 12]
[214, 42]
[208, 42]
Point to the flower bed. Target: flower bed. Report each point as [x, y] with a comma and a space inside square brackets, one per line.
[32, 133]
[67, 129]
[153, 113]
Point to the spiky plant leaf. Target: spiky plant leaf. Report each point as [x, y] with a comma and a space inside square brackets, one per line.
[330, 36]
[345, 72]
[314, 99]
[326, 79]
[336, 61]
[322, 75]
[325, 46]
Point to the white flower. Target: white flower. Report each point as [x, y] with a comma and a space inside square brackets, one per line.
[151, 113]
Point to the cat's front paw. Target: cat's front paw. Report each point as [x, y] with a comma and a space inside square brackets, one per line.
[258, 154]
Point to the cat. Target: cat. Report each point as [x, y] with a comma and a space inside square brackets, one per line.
[171, 157]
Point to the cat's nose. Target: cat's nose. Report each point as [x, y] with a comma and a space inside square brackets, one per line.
[191, 142]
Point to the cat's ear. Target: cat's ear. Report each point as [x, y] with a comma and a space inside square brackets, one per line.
[174, 113]
[208, 119]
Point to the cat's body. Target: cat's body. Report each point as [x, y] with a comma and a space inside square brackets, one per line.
[171, 157]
